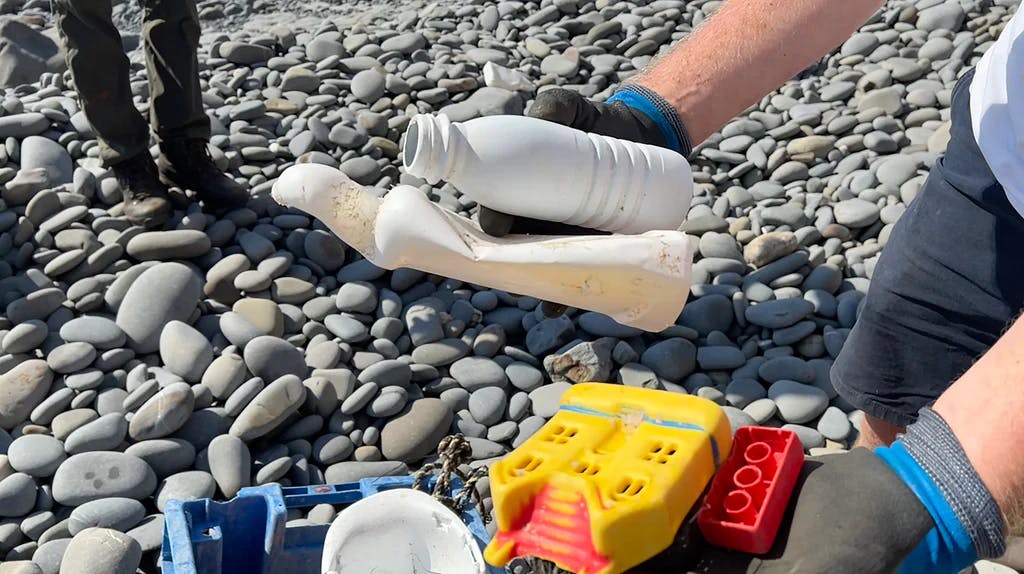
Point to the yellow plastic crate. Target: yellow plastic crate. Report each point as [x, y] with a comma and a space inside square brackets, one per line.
[606, 483]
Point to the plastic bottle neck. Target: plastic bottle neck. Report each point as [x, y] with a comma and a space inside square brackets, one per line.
[433, 147]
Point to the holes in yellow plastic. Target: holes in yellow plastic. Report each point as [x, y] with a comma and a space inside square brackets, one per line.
[560, 434]
[660, 453]
[589, 469]
[628, 487]
[526, 464]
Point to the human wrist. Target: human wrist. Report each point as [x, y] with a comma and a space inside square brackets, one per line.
[968, 523]
[660, 112]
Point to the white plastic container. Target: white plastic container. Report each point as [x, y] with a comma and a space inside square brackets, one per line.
[535, 168]
[400, 531]
[639, 280]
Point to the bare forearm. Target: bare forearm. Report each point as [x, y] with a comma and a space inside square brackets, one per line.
[983, 408]
[746, 50]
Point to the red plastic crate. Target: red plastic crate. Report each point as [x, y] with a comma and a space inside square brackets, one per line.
[750, 492]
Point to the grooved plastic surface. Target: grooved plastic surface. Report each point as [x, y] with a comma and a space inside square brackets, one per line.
[749, 495]
[606, 483]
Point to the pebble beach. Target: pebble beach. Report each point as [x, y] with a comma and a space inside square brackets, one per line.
[256, 347]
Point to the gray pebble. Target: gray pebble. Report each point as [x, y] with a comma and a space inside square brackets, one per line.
[94, 475]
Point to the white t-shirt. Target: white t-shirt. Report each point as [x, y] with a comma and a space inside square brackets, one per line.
[997, 109]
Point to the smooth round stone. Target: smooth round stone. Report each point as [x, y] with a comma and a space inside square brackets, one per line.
[809, 438]
[354, 471]
[389, 402]
[36, 524]
[104, 433]
[523, 376]
[271, 358]
[602, 325]
[324, 249]
[671, 359]
[119, 514]
[163, 293]
[224, 375]
[168, 245]
[71, 357]
[97, 550]
[856, 212]
[17, 495]
[35, 455]
[896, 170]
[440, 353]
[359, 398]
[416, 431]
[387, 373]
[834, 424]
[331, 449]
[50, 555]
[792, 368]
[368, 86]
[189, 485]
[798, 403]
[66, 422]
[149, 533]
[269, 408]
[738, 418]
[100, 332]
[768, 247]
[84, 380]
[707, 314]
[487, 405]
[527, 428]
[22, 389]
[164, 413]
[94, 475]
[356, 297]
[742, 392]
[41, 152]
[230, 464]
[778, 314]
[165, 456]
[474, 373]
[718, 358]
[25, 337]
[185, 351]
[545, 399]
[348, 329]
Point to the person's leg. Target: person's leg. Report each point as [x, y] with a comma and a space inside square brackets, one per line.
[946, 285]
[99, 69]
[171, 32]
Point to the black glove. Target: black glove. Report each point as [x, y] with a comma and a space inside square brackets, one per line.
[850, 514]
[624, 118]
[917, 506]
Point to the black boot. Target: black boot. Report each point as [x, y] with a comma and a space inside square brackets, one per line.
[188, 165]
[145, 197]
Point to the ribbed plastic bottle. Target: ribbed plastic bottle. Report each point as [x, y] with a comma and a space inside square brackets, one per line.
[536, 168]
[640, 280]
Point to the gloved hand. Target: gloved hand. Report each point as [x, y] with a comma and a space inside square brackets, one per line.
[633, 113]
[914, 508]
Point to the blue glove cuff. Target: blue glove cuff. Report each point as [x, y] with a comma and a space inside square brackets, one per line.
[662, 113]
[948, 547]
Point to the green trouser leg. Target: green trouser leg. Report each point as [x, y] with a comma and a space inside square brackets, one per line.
[171, 33]
[99, 68]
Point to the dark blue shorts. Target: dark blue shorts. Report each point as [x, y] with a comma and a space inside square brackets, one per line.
[948, 283]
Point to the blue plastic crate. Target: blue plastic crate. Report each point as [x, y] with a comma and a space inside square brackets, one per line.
[248, 535]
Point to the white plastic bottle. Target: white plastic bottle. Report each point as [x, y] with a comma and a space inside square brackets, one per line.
[639, 280]
[535, 168]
